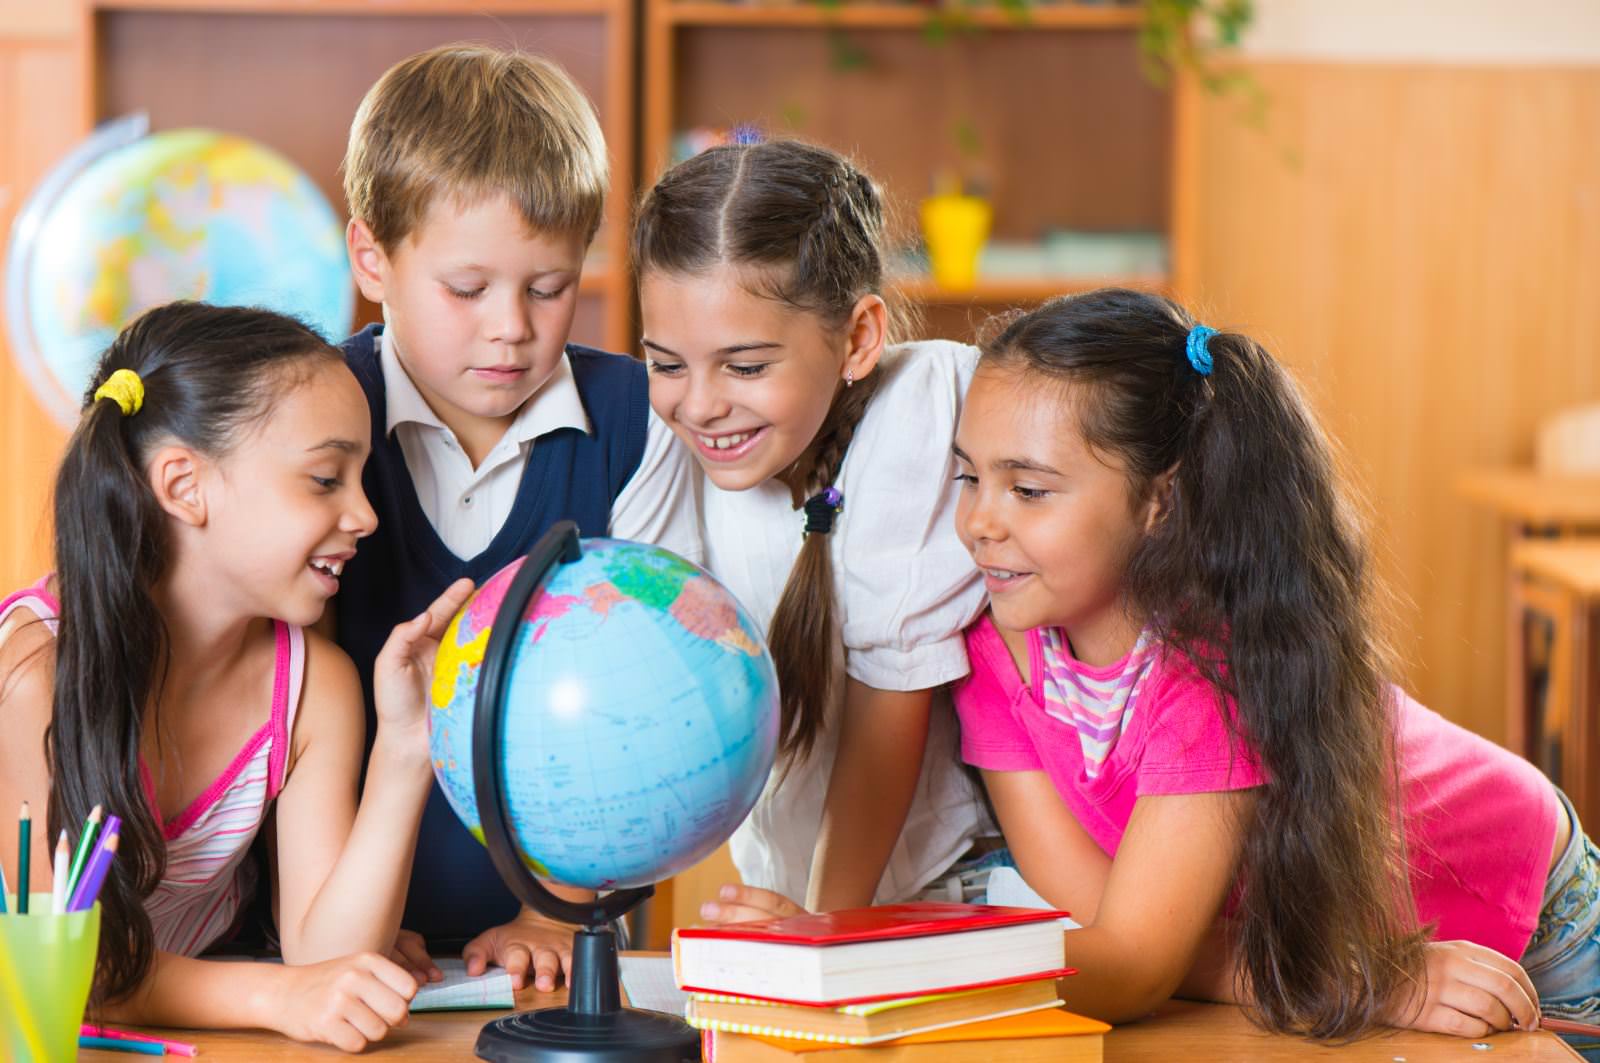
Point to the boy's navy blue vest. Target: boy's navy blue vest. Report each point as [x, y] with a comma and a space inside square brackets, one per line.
[455, 892]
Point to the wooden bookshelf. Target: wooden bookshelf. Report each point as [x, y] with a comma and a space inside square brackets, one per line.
[290, 73]
[873, 15]
[1073, 135]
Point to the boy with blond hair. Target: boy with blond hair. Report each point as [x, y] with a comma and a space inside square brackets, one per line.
[476, 179]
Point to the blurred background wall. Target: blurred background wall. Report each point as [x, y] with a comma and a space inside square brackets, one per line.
[1417, 232]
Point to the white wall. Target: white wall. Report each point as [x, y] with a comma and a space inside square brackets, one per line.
[1456, 32]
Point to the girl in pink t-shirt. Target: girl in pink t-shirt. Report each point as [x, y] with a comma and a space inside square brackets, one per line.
[1181, 708]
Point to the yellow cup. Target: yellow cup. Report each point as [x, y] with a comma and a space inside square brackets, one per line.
[955, 227]
[46, 969]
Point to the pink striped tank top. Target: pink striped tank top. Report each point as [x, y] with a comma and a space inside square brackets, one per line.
[207, 878]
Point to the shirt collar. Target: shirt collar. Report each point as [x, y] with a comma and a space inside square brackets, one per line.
[557, 404]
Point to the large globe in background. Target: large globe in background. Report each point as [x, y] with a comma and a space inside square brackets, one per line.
[129, 221]
[641, 718]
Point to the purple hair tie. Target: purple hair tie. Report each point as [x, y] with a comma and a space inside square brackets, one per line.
[821, 508]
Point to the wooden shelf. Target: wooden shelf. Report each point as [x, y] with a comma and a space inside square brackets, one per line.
[364, 7]
[1007, 290]
[712, 65]
[1065, 16]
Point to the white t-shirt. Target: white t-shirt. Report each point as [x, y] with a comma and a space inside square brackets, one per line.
[904, 590]
[468, 506]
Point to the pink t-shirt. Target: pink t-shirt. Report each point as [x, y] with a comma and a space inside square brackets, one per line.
[1480, 822]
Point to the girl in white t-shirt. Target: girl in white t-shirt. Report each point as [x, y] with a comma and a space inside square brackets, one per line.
[828, 507]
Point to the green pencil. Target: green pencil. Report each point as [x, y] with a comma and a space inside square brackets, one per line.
[91, 827]
[24, 842]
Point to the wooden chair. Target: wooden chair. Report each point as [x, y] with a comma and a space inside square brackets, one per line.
[1553, 717]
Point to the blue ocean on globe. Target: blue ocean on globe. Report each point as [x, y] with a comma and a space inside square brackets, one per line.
[130, 221]
[641, 721]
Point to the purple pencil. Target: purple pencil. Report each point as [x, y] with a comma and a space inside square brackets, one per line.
[113, 825]
[94, 875]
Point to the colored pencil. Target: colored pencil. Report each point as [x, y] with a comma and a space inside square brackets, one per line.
[2, 888]
[1568, 1026]
[111, 1044]
[94, 876]
[58, 876]
[175, 1048]
[86, 840]
[24, 844]
[113, 825]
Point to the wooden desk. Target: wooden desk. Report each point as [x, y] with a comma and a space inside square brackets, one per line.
[1533, 503]
[1198, 1033]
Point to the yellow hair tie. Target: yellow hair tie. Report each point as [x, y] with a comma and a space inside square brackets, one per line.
[125, 389]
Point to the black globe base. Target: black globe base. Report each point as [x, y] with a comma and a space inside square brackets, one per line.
[594, 1027]
[559, 1035]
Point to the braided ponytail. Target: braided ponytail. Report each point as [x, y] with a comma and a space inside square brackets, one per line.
[802, 625]
[813, 226]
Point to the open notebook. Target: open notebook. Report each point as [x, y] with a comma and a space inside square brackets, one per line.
[460, 992]
[457, 992]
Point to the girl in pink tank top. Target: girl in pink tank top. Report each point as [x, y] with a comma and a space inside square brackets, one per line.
[204, 508]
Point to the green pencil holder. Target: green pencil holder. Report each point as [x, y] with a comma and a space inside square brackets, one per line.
[46, 970]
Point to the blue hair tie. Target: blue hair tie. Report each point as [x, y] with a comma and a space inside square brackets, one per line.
[1199, 353]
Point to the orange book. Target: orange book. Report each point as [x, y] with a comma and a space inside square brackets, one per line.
[1055, 1036]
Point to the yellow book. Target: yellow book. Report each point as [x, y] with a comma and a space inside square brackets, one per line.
[860, 1024]
[1052, 1036]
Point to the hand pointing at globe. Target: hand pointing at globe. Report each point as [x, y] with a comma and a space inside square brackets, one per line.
[404, 669]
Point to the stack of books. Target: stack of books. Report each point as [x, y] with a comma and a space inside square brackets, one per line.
[902, 983]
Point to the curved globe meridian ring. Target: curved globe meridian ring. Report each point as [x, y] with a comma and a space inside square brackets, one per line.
[640, 720]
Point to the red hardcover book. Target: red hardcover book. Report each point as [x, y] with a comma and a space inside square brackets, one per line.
[866, 954]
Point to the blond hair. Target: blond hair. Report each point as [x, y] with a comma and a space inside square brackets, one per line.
[468, 120]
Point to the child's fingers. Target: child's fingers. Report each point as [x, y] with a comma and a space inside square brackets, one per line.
[546, 965]
[566, 965]
[1529, 1019]
[773, 903]
[412, 951]
[392, 975]
[1477, 1003]
[515, 957]
[367, 1020]
[476, 955]
[1442, 1019]
[720, 913]
[1504, 979]
[445, 607]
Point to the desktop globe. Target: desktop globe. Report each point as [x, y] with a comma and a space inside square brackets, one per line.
[603, 715]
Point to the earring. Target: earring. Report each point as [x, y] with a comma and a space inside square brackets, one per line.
[849, 377]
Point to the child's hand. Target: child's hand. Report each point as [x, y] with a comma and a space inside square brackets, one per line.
[744, 904]
[404, 667]
[411, 952]
[529, 940]
[1471, 991]
[349, 1002]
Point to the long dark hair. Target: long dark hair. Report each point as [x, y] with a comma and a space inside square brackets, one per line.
[208, 373]
[813, 228]
[1258, 573]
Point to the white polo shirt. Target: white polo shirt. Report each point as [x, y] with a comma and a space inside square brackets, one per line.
[467, 506]
[904, 589]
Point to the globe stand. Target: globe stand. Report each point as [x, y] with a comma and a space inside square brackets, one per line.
[594, 1027]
